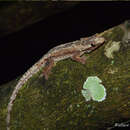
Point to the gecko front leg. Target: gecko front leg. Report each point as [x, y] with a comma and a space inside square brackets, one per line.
[79, 58]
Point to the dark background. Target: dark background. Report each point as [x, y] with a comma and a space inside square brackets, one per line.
[20, 50]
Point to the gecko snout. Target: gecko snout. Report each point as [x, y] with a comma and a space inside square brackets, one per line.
[99, 40]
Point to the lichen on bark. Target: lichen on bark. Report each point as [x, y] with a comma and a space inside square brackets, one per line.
[57, 103]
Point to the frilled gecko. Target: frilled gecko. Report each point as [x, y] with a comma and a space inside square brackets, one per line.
[73, 50]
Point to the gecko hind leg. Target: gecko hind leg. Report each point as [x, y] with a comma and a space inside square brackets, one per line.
[79, 58]
[47, 69]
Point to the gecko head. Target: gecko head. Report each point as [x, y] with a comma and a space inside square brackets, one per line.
[91, 43]
[97, 41]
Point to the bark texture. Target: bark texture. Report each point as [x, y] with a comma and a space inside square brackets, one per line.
[15, 16]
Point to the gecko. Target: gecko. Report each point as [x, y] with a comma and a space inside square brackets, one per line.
[73, 50]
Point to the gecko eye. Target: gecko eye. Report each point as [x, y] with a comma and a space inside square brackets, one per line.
[92, 45]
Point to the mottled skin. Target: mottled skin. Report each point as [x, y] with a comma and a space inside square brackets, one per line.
[73, 50]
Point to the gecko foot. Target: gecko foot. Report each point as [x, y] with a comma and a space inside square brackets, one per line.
[83, 59]
[80, 59]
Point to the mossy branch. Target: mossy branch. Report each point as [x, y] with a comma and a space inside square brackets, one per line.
[58, 102]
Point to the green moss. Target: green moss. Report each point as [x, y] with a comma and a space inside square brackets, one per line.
[58, 103]
[114, 34]
[54, 104]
